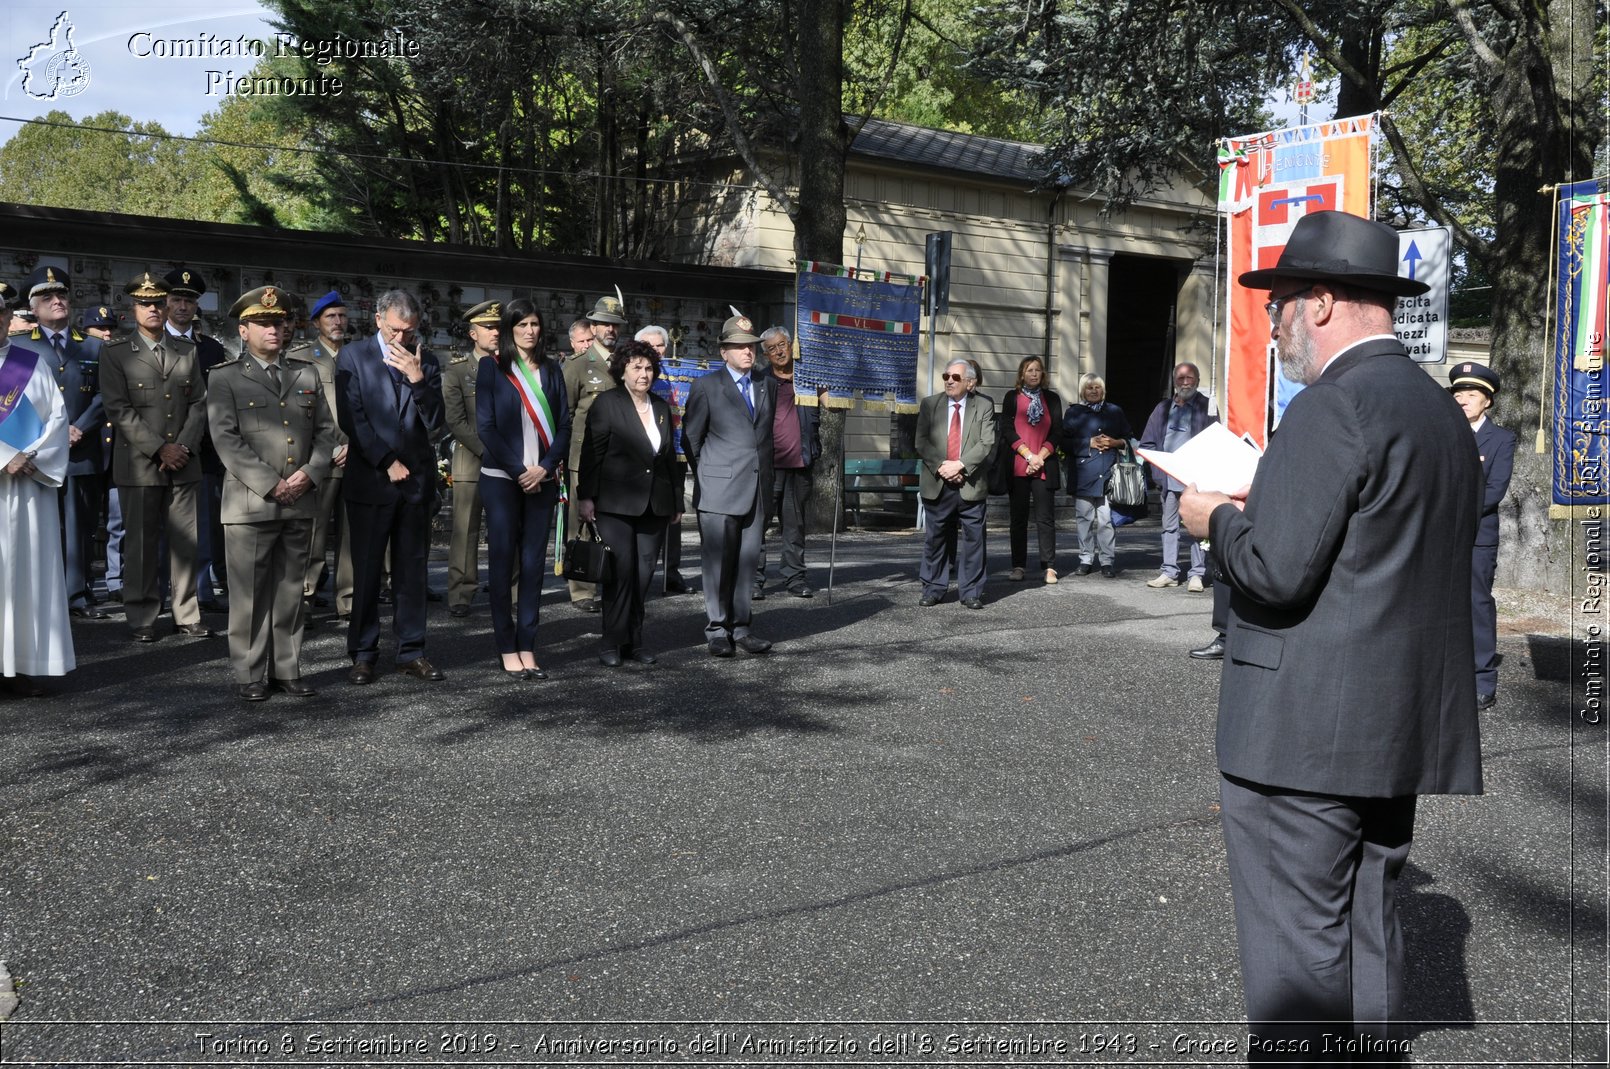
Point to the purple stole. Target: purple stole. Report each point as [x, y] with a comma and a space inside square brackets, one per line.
[14, 376]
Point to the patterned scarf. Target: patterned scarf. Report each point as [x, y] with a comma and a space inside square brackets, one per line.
[1036, 406]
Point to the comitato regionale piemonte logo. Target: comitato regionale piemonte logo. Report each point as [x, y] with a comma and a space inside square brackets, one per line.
[54, 69]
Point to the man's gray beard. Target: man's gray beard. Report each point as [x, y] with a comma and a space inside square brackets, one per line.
[1296, 351]
[1183, 394]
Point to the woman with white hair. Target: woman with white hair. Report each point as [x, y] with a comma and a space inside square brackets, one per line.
[1094, 432]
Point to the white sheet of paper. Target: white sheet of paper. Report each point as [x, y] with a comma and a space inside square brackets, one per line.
[1214, 460]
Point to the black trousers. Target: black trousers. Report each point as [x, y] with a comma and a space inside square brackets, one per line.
[790, 497]
[1484, 617]
[518, 525]
[1024, 492]
[403, 527]
[634, 544]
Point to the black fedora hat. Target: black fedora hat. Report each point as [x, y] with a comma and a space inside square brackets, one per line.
[1338, 247]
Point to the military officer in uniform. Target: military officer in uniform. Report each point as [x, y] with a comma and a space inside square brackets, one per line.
[75, 359]
[156, 398]
[458, 400]
[275, 432]
[1473, 386]
[99, 322]
[329, 316]
[587, 376]
[185, 288]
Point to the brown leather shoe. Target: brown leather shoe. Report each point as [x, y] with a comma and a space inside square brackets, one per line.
[420, 668]
[362, 673]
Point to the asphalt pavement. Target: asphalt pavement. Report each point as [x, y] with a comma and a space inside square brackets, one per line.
[906, 835]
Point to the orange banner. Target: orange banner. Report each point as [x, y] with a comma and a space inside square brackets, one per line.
[1266, 183]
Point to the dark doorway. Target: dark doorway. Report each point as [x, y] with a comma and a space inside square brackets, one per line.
[1142, 306]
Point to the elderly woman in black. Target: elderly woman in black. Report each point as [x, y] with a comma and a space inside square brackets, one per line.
[524, 422]
[629, 487]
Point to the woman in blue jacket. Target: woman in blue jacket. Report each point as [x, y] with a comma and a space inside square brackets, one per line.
[524, 420]
[1094, 432]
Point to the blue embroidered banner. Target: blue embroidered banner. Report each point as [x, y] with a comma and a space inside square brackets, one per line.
[676, 378]
[1581, 423]
[857, 337]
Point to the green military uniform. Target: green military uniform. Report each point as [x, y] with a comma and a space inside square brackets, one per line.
[586, 376]
[155, 396]
[270, 421]
[464, 551]
[328, 511]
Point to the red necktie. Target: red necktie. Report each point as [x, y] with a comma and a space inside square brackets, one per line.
[953, 444]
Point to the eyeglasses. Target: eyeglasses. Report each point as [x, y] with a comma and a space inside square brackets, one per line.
[953, 378]
[1274, 306]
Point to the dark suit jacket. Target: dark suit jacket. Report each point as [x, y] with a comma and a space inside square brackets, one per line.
[1007, 440]
[978, 444]
[1349, 649]
[78, 373]
[1497, 448]
[369, 410]
[729, 450]
[210, 354]
[499, 419]
[620, 471]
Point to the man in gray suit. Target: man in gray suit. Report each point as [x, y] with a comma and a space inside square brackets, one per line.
[727, 436]
[274, 432]
[955, 440]
[1347, 689]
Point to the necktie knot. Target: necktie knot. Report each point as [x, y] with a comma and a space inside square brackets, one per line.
[58, 343]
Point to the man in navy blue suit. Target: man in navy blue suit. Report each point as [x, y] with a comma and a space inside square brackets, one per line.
[389, 403]
[75, 359]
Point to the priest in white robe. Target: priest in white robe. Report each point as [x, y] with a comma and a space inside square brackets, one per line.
[35, 639]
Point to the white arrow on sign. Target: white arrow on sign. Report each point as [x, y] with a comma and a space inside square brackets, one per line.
[1422, 322]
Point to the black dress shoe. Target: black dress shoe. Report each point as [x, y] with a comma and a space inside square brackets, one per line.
[1109, 572]
[610, 658]
[86, 612]
[1213, 651]
[760, 593]
[530, 675]
[973, 603]
[24, 686]
[675, 586]
[587, 605]
[1485, 702]
[721, 647]
[115, 595]
[459, 610]
[434, 595]
[320, 601]
[1084, 569]
[254, 692]
[643, 657]
[803, 590]
[362, 673]
[753, 644]
[294, 687]
[144, 634]
[929, 601]
[195, 631]
[420, 668]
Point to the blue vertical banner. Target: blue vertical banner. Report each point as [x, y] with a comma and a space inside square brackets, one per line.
[857, 334]
[1581, 475]
[676, 378]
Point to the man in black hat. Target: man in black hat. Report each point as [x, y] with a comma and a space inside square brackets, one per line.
[1348, 690]
[587, 376]
[75, 359]
[185, 287]
[1473, 386]
[156, 398]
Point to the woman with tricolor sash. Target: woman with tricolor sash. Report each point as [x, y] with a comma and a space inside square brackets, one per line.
[628, 486]
[524, 421]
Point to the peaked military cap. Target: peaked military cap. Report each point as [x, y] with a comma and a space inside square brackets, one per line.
[9, 297]
[262, 303]
[143, 287]
[1473, 376]
[738, 330]
[486, 314]
[608, 310]
[100, 316]
[183, 282]
[333, 299]
[45, 279]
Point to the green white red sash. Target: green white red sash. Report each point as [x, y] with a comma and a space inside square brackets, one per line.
[529, 385]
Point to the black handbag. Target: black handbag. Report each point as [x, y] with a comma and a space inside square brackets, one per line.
[1126, 482]
[587, 557]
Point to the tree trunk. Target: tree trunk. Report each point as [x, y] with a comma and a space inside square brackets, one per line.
[819, 218]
